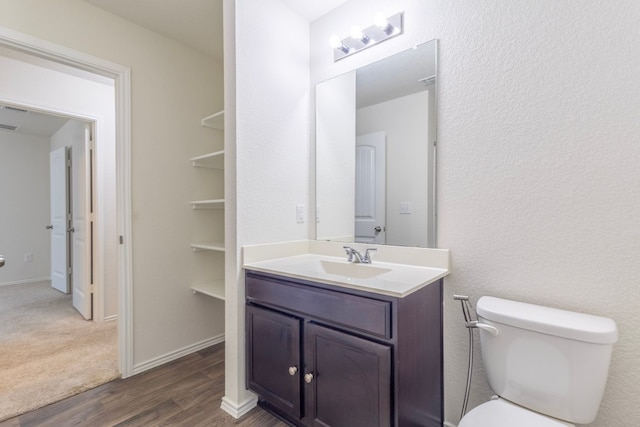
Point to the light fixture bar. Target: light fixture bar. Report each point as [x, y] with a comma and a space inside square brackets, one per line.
[382, 30]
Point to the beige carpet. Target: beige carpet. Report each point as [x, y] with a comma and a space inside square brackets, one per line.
[47, 351]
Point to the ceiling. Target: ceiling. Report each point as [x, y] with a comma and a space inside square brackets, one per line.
[20, 120]
[195, 23]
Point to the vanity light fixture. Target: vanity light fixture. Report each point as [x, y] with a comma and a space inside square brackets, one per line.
[357, 34]
[381, 21]
[337, 44]
[383, 29]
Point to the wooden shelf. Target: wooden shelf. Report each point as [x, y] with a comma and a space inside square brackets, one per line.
[213, 160]
[216, 246]
[207, 204]
[214, 289]
[214, 121]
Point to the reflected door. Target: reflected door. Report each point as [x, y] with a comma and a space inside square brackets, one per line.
[370, 197]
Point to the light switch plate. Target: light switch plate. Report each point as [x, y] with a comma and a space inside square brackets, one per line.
[405, 207]
[300, 213]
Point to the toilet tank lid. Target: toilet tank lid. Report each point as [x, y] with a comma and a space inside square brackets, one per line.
[547, 320]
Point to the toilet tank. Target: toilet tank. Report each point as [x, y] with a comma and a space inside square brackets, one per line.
[551, 361]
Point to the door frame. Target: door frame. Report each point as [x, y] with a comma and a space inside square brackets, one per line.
[121, 76]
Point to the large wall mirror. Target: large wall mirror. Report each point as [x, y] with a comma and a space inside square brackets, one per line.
[375, 152]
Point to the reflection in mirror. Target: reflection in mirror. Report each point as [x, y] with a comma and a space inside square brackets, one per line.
[375, 152]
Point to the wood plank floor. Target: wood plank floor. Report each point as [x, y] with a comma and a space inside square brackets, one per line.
[185, 392]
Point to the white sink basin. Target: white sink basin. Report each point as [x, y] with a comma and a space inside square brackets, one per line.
[356, 271]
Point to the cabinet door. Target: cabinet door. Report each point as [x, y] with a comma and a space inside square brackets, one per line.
[273, 358]
[351, 379]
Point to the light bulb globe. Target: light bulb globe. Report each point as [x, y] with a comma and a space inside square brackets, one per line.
[381, 20]
[335, 42]
[356, 33]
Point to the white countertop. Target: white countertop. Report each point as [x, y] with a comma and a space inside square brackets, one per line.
[397, 279]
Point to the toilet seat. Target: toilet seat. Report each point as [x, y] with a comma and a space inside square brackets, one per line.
[501, 413]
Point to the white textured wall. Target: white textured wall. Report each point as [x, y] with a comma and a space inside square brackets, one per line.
[268, 103]
[24, 207]
[538, 151]
[173, 87]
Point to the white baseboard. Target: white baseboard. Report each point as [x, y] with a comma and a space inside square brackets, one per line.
[21, 282]
[161, 360]
[111, 318]
[448, 424]
[236, 410]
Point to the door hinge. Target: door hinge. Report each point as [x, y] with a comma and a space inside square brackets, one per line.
[92, 288]
[122, 240]
[69, 271]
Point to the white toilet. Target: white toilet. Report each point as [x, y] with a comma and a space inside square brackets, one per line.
[548, 367]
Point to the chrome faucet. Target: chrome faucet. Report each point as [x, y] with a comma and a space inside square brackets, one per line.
[356, 257]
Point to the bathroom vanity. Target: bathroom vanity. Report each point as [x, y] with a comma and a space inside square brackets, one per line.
[322, 353]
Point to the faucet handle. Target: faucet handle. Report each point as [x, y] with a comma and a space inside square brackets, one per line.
[367, 257]
[349, 251]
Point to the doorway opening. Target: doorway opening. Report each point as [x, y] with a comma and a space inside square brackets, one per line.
[40, 61]
[47, 163]
[50, 349]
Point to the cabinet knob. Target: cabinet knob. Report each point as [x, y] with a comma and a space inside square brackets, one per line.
[308, 378]
[292, 370]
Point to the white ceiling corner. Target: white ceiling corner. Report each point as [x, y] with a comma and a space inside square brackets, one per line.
[312, 9]
[195, 23]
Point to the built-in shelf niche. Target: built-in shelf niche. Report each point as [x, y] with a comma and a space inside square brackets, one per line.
[215, 160]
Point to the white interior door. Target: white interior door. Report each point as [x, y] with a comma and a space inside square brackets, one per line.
[370, 215]
[81, 224]
[58, 182]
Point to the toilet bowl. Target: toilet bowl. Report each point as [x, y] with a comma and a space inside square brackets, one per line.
[549, 367]
[501, 413]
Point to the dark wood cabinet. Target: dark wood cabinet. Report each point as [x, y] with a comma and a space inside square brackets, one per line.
[323, 355]
[351, 379]
[274, 358]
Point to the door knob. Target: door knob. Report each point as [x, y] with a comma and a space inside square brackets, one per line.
[293, 370]
[308, 378]
[378, 229]
[49, 227]
[1, 260]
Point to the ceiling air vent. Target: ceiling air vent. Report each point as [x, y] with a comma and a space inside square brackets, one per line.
[17, 110]
[8, 127]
